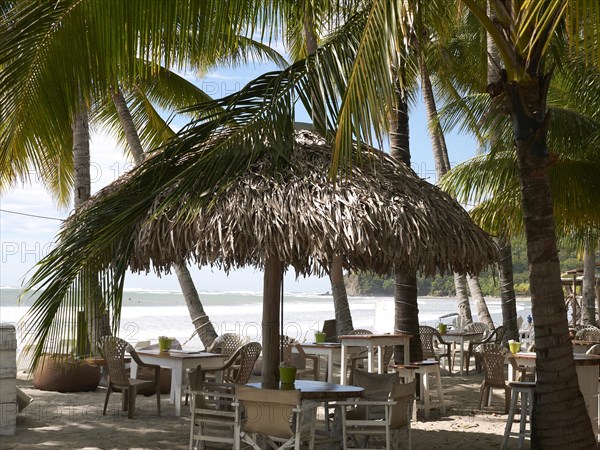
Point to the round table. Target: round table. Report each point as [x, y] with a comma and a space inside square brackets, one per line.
[316, 390]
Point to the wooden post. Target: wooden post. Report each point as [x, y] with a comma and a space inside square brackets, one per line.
[270, 320]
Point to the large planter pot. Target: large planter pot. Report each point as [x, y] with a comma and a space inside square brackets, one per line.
[287, 375]
[63, 373]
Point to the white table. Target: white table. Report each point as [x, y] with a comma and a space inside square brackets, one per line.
[329, 350]
[587, 376]
[371, 342]
[460, 337]
[178, 362]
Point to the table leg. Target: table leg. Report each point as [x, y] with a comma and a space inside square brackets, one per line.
[343, 365]
[329, 368]
[462, 353]
[176, 386]
[370, 358]
[380, 359]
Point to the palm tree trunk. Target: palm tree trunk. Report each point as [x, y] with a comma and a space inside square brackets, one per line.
[202, 324]
[406, 307]
[341, 306]
[557, 383]
[508, 299]
[343, 317]
[462, 299]
[442, 165]
[96, 319]
[483, 313]
[588, 296]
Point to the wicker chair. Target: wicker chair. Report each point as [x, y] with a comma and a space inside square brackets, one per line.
[113, 350]
[473, 327]
[493, 356]
[588, 334]
[357, 355]
[495, 337]
[430, 341]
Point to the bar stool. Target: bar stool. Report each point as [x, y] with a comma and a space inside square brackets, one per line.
[425, 369]
[526, 389]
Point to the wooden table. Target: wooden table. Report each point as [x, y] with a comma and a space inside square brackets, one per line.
[372, 341]
[587, 376]
[327, 349]
[580, 346]
[321, 391]
[178, 362]
[461, 337]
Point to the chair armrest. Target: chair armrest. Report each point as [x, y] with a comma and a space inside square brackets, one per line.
[141, 363]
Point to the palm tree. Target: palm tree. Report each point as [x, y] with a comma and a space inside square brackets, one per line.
[492, 180]
[45, 147]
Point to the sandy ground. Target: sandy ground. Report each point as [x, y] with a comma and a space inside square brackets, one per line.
[75, 421]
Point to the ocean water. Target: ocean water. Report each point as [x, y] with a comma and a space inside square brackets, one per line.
[148, 314]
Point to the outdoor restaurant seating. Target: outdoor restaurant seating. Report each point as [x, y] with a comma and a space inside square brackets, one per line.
[276, 416]
[493, 356]
[243, 360]
[113, 350]
[495, 337]
[475, 327]
[299, 359]
[434, 346]
[384, 410]
[358, 354]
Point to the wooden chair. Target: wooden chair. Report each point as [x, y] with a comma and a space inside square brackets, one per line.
[113, 350]
[299, 359]
[430, 341]
[275, 416]
[385, 410]
[213, 417]
[493, 356]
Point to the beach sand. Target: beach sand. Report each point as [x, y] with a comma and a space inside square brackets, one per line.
[75, 421]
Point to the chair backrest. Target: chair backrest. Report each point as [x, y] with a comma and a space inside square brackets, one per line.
[427, 335]
[493, 356]
[248, 354]
[330, 330]
[378, 386]
[498, 333]
[268, 411]
[478, 327]
[293, 359]
[588, 334]
[403, 394]
[359, 332]
[113, 350]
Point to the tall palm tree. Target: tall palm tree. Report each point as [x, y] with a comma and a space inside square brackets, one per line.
[492, 180]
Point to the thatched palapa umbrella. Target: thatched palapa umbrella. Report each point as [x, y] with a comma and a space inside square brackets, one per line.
[380, 216]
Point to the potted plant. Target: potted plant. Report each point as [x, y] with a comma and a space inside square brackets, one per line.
[287, 373]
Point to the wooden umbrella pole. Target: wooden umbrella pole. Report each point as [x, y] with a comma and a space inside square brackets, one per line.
[270, 319]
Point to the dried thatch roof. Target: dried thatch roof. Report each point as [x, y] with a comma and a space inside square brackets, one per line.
[381, 215]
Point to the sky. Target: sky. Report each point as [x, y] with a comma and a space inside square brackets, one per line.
[25, 240]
